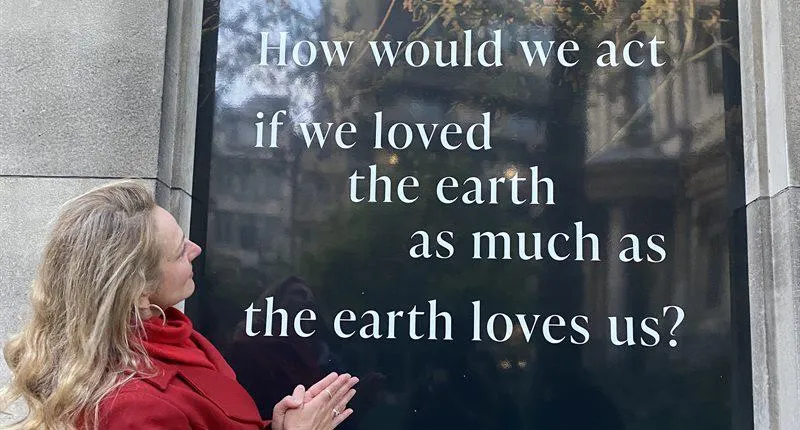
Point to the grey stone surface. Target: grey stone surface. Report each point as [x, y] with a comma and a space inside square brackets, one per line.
[81, 86]
[181, 74]
[89, 91]
[790, 17]
[27, 206]
[177, 202]
[770, 65]
[753, 104]
[774, 276]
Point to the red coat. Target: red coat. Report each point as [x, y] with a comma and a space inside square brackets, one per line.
[194, 387]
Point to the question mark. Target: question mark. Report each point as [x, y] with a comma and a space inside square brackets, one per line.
[673, 343]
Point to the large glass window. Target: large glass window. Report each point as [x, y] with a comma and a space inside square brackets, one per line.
[608, 309]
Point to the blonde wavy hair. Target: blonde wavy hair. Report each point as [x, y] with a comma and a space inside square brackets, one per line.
[84, 337]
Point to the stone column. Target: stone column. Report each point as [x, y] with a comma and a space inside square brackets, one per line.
[89, 92]
[770, 66]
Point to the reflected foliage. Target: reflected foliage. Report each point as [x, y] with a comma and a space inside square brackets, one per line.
[629, 151]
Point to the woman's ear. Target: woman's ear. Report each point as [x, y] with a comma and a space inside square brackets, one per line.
[143, 302]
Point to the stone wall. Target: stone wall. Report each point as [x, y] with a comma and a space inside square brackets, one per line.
[770, 64]
[89, 92]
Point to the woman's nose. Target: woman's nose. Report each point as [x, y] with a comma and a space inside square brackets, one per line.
[195, 250]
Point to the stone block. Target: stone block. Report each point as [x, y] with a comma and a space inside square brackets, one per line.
[181, 74]
[790, 16]
[774, 276]
[81, 87]
[177, 202]
[770, 96]
[753, 105]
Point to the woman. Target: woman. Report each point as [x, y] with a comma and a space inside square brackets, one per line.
[106, 349]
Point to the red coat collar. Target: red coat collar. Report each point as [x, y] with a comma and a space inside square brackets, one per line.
[177, 351]
[173, 341]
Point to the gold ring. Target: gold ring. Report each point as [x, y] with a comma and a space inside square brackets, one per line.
[329, 393]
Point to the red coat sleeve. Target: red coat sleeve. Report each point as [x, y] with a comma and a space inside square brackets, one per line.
[141, 411]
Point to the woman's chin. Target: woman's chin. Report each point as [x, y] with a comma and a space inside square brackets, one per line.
[189, 289]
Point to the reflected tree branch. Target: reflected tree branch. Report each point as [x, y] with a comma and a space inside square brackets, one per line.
[428, 24]
[623, 131]
[374, 34]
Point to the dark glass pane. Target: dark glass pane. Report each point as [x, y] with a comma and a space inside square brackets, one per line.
[635, 160]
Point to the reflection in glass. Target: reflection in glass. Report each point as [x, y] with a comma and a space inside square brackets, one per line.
[637, 151]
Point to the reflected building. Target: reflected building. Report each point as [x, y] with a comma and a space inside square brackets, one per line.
[669, 168]
[666, 172]
[671, 165]
[265, 201]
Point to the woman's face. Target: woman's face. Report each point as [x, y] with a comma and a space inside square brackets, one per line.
[177, 253]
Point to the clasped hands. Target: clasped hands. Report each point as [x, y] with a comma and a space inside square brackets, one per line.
[322, 407]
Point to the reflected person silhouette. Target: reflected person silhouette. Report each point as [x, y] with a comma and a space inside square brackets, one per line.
[267, 365]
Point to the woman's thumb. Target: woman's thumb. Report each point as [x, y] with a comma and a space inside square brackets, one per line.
[299, 394]
[289, 402]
